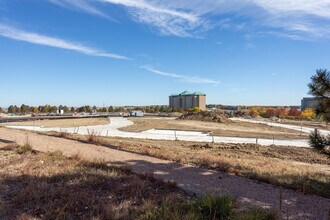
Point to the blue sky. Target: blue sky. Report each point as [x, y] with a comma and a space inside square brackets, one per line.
[137, 52]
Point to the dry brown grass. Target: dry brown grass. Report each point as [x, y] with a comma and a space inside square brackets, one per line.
[62, 123]
[301, 169]
[9, 147]
[52, 186]
[233, 129]
[20, 149]
[93, 137]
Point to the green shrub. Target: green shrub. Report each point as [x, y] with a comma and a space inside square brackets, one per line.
[22, 149]
[25, 148]
[215, 207]
[170, 211]
[207, 207]
[257, 213]
[318, 141]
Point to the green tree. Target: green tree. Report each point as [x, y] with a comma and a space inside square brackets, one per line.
[45, 109]
[320, 88]
[156, 108]
[72, 109]
[119, 109]
[88, 108]
[103, 109]
[34, 109]
[25, 109]
[13, 109]
[1, 110]
[65, 109]
[53, 109]
[82, 109]
[319, 142]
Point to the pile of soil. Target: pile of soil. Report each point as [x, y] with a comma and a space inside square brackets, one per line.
[205, 116]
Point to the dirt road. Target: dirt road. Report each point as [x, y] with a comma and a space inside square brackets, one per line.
[295, 205]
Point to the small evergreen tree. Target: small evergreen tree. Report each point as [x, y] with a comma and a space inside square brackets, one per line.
[320, 88]
[319, 142]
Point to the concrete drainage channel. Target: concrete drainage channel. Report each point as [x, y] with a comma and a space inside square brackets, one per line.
[111, 130]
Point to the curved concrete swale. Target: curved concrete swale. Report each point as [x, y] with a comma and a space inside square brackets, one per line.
[111, 130]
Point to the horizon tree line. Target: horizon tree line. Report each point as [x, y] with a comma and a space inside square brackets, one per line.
[25, 109]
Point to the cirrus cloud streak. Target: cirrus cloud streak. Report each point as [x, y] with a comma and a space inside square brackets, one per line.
[182, 78]
[35, 38]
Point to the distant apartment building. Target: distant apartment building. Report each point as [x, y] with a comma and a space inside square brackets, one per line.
[308, 103]
[187, 100]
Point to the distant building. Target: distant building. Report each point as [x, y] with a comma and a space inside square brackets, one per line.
[308, 103]
[187, 100]
[136, 113]
[60, 111]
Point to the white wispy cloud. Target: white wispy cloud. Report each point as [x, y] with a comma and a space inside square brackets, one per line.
[35, 38]
[303, 19]
[81, 5]
[144, 5]
[183, 78]
[168, 21]
[319, 8]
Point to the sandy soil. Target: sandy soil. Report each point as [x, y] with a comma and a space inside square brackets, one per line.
[248, 192]
[233, 129]
[62, 123]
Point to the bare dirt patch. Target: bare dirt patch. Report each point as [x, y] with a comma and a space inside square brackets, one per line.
[62, 123]
[205, 116]
[232, 129]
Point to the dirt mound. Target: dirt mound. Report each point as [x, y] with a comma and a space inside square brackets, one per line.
[205, 116]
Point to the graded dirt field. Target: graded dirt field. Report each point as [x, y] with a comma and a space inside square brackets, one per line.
[232, 129]
[311, 124]
[62, 123]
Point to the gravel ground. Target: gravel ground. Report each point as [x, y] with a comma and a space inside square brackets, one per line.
[295, 205]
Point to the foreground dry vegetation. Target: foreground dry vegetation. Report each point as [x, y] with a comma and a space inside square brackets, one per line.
[301, 169]
[52, 186]
[62, 123]
[232, 128]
